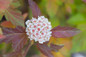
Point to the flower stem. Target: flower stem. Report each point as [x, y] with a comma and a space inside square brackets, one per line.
[28, 47]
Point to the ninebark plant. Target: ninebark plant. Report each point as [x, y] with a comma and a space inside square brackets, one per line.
[14, 30]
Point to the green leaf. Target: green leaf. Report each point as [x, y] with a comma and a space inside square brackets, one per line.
[1, 17]
[79, 43]
[42, 6]
[76, 19]
[51, 8]
[15, 4]
[54, 22]
[82, 26]
[15, 17]
[2, 46]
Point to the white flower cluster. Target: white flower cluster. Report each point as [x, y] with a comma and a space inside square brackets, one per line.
[39, 29]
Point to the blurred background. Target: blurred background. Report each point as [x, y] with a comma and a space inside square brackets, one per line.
[67, 13]
[64, 13]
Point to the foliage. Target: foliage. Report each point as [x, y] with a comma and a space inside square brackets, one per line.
[68, 19]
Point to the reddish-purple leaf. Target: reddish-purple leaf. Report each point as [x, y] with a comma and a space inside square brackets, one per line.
[64, 32]
[45, 49]
[14, 54]
[84, 1]
[1, 36]
[35, 9]
[4, 5]
[18, 43]
[16, 36]
[18, 30]
[55, 47]
[35, 56]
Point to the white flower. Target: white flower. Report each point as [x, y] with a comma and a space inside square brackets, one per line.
[38, 29]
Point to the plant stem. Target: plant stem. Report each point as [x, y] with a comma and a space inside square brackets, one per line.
[27, 48]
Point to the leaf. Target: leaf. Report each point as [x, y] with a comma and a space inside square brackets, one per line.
[1, 31]
[55, 47]
[7, 24]
[19, 43]
[1, 36]
[45, 49]
[36, 56]
[15, 17]
[4, 5]
[54, 21]
[35, 9]
[82, 26]
[65, 50]
[14, 54]
[1, 16]
[42, 55]
[25, 15]
[16, 36]
[51, 8]
[64, 32]
[18, 29]
[67, 46]
[79, 43]
[84, 1]
[58, 54]
[15, 4]
[76, 19]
